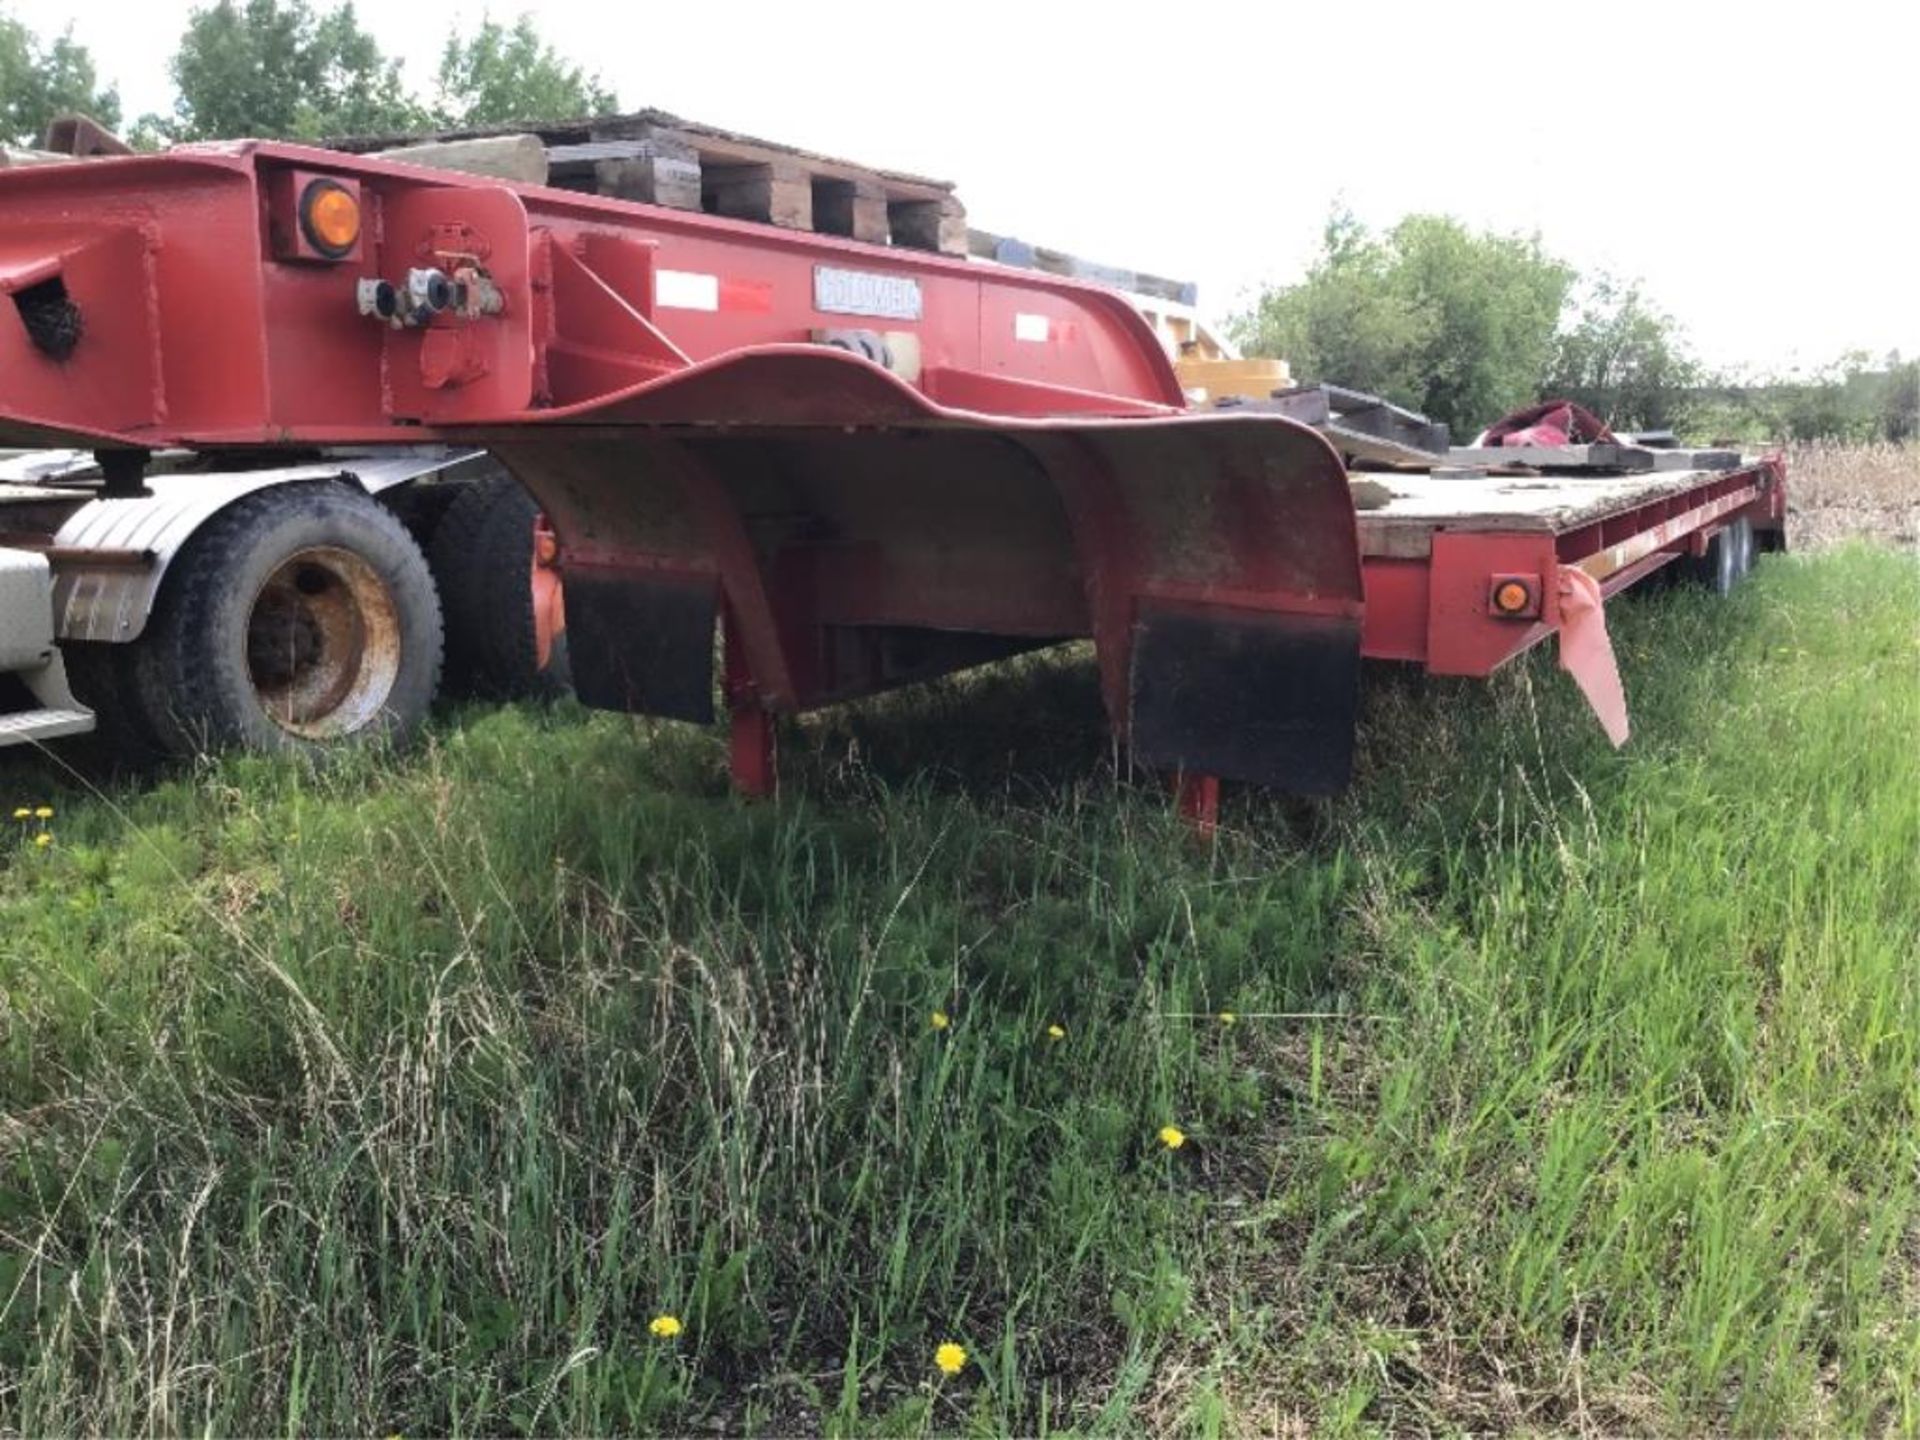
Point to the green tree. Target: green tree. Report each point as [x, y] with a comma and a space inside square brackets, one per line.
[39, 82]
[497, 76]
[1900, 409]
[1452, 322]
[273, 69]
[1854, 398]
[360, 91]
[1349, 322]
[1851, 399]
[1623, 359]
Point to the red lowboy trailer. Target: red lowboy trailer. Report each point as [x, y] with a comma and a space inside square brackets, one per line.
[867, 465]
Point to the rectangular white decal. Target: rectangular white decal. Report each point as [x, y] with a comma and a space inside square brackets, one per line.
[1029, 327]
[861, 292]
[685, 290]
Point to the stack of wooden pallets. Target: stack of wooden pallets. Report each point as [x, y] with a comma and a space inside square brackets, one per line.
[660, 159]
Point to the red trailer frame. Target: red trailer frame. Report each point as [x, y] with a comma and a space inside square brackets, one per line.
[1439, 609]
[869, 465]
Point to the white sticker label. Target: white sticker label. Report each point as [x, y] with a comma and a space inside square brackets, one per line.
[861, 292]
[685, 290]
[1029, 327]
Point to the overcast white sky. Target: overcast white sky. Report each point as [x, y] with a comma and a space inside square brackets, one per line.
[1757, 165]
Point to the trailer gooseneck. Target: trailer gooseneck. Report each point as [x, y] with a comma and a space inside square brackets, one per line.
[867, 465]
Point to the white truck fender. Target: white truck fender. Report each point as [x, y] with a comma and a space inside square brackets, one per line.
[111, 601]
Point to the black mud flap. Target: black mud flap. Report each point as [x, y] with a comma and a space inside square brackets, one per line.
[1260, 697]
[643, 645]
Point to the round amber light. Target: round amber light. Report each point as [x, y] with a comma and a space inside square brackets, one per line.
[331, 217]
[1511, 597]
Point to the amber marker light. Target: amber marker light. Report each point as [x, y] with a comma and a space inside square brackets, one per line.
[330, 218]
[1513, 597]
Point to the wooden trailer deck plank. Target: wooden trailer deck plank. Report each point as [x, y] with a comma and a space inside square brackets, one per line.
[1401, 523]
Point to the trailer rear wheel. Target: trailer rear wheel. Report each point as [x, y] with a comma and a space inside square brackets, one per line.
[1720, 569]
[300, 617]
[483, 561]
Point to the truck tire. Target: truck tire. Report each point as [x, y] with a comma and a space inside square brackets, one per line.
[1719, 570]
[482, 558]
[299, 618]
[100, 674]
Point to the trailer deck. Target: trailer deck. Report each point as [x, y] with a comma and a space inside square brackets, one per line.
[1440, 552]
[1418, 504]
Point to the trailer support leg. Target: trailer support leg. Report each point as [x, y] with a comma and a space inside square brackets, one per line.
[751, 745]
[752, 752]
[1198, 798]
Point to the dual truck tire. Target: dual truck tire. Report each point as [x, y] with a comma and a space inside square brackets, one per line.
[306, 615]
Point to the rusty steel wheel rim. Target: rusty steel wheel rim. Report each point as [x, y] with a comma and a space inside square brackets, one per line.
[323, 644]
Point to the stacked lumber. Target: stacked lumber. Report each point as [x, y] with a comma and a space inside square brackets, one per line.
[1216, 378]
[67, 137]
[660, 159]
[10, 157]
[1009, 251]
[1598, 458]
[1364, 428]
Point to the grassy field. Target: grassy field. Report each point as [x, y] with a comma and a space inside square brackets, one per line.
[1530, 1087]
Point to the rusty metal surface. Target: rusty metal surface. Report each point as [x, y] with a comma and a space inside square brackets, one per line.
[891, 527]
[323, 644]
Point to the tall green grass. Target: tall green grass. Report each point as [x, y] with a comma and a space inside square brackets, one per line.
[1563, 1087]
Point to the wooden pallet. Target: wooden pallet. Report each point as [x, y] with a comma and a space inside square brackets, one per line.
[11, 157]
[1604, 457]
[660, 159]
[1363, 427]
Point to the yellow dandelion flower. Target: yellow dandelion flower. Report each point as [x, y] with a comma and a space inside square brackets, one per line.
[951, 1358]
[45, 812]
[1227, 1017]
[1056, 1032]
[939, 1020]
[43, 839]
[23, 813]
[665, 1327]
[1172, 1136]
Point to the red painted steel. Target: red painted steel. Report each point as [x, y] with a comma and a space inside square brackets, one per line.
[197, 335]
[1198, 799]
[1021, 470]
[752, 754]
[1436, 612]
